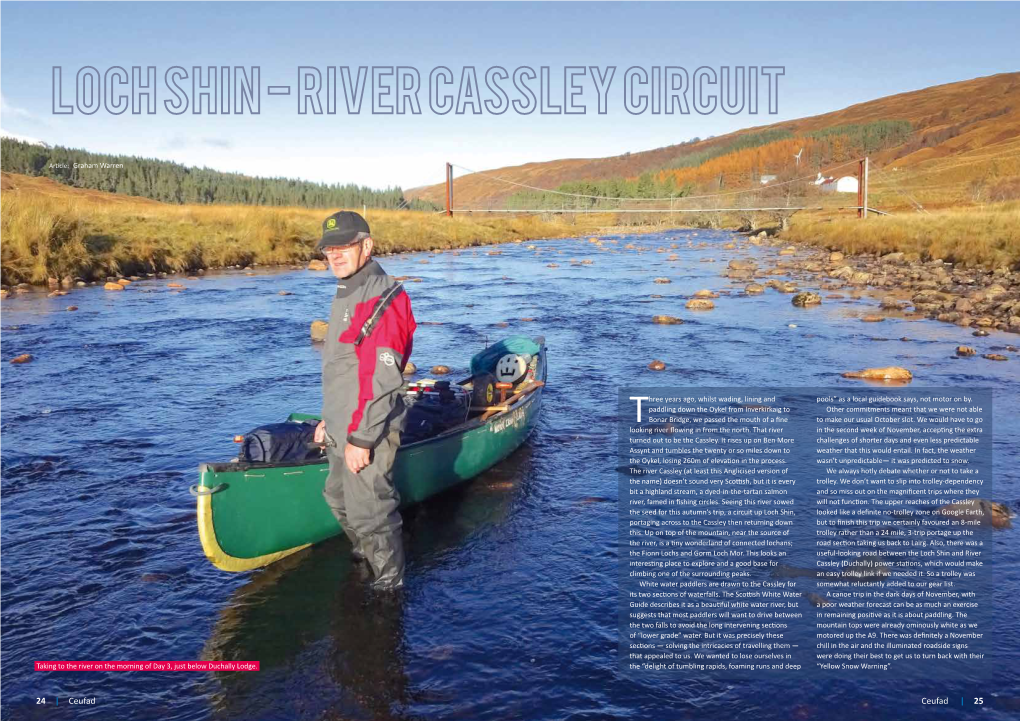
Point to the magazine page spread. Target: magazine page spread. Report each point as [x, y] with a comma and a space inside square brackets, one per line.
[509, 360]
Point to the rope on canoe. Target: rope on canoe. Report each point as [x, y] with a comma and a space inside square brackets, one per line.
[199, 491]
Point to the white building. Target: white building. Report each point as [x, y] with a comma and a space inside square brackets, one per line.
[846, 184]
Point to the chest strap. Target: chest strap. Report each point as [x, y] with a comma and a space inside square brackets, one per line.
[384, 302]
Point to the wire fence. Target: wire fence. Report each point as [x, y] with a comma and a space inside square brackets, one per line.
[788, 195]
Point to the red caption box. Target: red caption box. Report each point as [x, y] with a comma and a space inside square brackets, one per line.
[146, 665]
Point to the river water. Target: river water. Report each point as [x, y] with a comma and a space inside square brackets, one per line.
[510, 606]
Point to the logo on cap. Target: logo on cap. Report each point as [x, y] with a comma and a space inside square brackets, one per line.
[331, 223]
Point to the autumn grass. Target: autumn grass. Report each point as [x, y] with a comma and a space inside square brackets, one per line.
[55, 233]
[986, 237]
[52, 236]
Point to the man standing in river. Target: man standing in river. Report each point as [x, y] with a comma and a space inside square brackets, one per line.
[367, 346]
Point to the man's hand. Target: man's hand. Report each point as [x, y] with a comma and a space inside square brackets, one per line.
[320, 432]
[357, 458]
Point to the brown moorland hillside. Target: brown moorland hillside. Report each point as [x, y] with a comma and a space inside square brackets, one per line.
[47, 188]
[948, 121]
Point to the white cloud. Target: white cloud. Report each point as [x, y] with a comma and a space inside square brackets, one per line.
[19, 113]
[179, 142]
[22, 138]
[176, 142]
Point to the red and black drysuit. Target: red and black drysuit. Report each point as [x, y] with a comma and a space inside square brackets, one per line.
[367, 346]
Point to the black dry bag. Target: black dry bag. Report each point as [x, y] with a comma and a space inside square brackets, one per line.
[279, 443]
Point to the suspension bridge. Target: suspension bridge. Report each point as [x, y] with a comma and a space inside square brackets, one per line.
[785, 196]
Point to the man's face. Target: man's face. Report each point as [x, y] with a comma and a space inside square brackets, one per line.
[346, 260]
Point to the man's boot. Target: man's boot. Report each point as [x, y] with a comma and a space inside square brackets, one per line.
[357, 551]
[386, 556]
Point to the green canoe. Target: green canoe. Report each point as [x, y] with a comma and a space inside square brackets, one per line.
[252, 514]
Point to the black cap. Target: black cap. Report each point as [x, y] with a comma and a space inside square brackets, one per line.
[341, 228]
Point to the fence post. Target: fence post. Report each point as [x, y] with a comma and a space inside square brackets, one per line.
[860, 188]
[449, 189]
[865, 203]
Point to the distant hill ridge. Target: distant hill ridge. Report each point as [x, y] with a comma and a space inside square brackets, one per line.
[945, 122]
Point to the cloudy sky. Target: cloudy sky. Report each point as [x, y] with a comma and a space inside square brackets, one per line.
[834, 55]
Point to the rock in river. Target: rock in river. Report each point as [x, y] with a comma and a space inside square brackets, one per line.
[318, 330]
[113, 286]
[890, 303]
[889, 373]
[656, 365]
[440, 370]
[742, 265]
[965, 350]
[23, 358]
[666, 320]
[706, 294]
[317, 265]
[816, 599]
[995, 356]
[806, 298]
[754, 289]
[866, 569]
[410, 369]
[994, 291]
[987, 513]
[700, 304]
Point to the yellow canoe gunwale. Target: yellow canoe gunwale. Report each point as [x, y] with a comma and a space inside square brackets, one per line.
[220, 558]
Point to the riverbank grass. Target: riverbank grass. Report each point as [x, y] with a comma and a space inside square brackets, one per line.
[988, 237]
[56, 235]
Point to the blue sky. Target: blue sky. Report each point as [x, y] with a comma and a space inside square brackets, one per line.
[835, 55]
